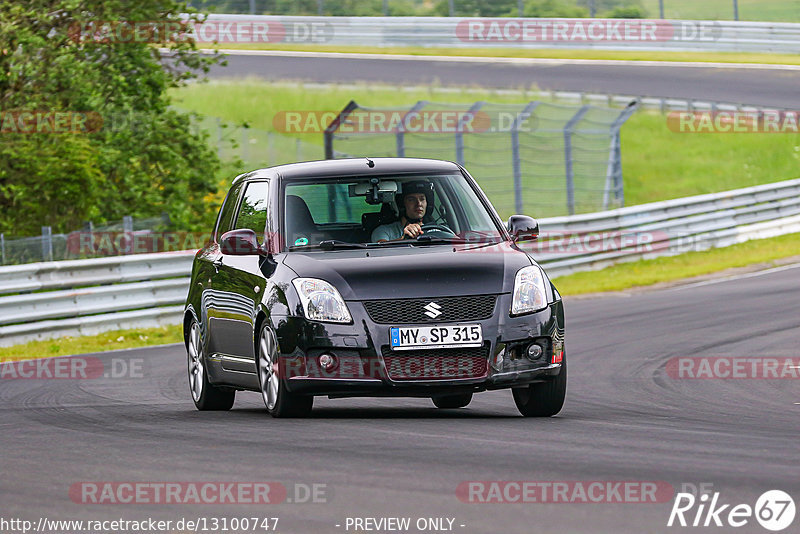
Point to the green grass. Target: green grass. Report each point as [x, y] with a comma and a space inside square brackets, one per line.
[120, 339]
[670, 268]
[548, 53]
[762, 10]
[658, 164]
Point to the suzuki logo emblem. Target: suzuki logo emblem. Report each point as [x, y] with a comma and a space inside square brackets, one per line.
[432, 310]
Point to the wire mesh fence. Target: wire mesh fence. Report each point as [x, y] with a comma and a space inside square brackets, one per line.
[126, 236]
[256, 148]
[540, 158]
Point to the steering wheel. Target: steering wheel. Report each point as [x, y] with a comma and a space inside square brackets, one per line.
[427, 228]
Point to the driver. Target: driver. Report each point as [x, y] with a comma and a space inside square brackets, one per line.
[413, 205]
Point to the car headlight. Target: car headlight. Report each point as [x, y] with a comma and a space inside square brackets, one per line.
[529, 291]
[321, 301]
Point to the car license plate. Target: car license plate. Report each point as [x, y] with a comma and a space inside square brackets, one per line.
[436, 337]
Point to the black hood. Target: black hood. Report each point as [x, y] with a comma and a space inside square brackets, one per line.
[413, 272]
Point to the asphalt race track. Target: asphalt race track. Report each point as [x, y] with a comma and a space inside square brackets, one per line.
[764, 87]
[626, 419]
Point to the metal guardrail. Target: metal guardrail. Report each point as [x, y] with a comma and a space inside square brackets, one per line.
[604, 34]
[45, 300]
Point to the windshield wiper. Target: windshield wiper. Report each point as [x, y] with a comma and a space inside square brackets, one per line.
[430, 239]
[331, 244]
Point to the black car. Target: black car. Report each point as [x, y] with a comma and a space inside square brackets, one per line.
[370, 277]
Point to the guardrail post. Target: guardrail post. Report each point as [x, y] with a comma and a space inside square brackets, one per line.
[460, 133]
[2, 249]
[570, 183]
[401, 129]
[515, 161]
[735, 9]
[451, 8]
[47, 243]
[661, 8]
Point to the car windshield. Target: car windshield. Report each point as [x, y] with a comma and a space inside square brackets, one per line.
[365, 211]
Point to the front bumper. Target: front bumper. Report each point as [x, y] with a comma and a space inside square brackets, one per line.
[362, 353]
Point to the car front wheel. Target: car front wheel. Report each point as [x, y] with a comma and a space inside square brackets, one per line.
[206, 397]
[543, 399]
[279, 401]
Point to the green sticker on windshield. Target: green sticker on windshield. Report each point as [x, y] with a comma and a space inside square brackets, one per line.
[301, 241]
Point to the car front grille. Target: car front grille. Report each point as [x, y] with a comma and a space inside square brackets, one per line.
[436, 364]
[431, 310]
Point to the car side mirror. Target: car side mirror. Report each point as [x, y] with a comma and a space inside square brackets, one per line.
[241, 242]
[523, 228]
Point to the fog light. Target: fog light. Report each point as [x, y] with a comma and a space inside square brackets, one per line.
[327, 361]
[534, 351]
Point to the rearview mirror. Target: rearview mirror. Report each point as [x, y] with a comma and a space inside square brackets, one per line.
[523, 228]
[241, 242]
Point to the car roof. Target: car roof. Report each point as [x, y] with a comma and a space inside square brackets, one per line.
[353, 167]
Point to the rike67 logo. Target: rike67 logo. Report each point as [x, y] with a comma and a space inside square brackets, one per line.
[774, 510]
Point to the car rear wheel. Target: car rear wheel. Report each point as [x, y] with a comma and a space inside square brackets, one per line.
[279, 401]
[206, 397]
[543, 399]
[452, 401]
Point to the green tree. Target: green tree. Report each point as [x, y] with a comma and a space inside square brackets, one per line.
[146, 158]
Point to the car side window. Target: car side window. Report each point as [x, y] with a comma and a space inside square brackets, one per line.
[254, 209]
[227, 211]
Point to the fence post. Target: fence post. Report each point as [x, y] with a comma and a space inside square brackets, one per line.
[521, 8]
[515, 162]
[385, 8]
[614, 169]
[451, 8]
[2, 249]
[334, 125]
[460, 132]
[47, 243]
[401, 129]
[127, 229]
[568, 157]
[661, 8]
[735, 9]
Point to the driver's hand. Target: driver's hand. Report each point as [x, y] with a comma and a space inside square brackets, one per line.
[412, 231]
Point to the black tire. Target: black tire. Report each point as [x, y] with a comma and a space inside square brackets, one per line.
[543, 399]
[452, 401]
[206, 396]
[279, 401]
